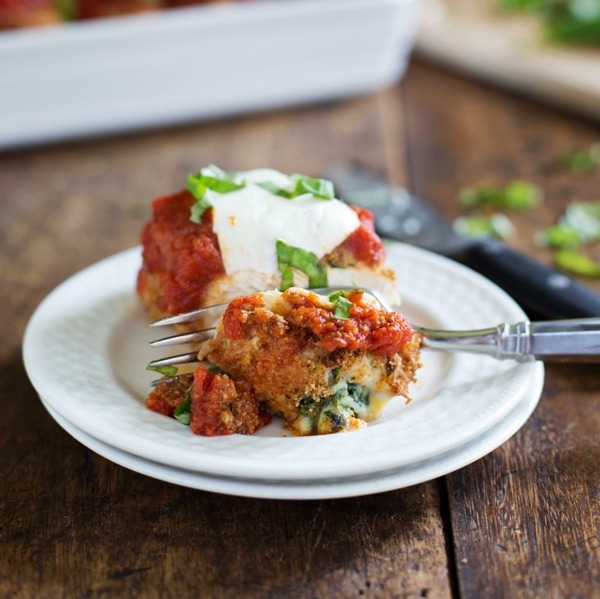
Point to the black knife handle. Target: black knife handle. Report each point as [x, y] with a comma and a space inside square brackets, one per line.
[538, 288]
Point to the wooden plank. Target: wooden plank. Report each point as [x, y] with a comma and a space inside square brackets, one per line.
[526, 518]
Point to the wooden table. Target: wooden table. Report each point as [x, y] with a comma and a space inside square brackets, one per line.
[524, 521]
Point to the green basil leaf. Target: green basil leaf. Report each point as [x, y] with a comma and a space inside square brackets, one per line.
[275, 190]
[198, 208]
[289, 257]
[287, 276]
[183, 411]
[167, 371]
[320, 188]
[209, 180]
[342, 305]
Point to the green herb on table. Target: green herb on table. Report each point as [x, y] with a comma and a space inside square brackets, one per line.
[582, 161]
[580, 224]
[483, 197]
[516, 195]
[495, 225]
[558, 236]
[578, 227]
[577, 263]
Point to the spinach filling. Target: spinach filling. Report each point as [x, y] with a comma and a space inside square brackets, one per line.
[332, 413]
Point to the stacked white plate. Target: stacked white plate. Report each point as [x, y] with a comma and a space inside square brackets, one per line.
[86, 350]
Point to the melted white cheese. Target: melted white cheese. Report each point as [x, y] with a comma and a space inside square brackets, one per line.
[249, 221]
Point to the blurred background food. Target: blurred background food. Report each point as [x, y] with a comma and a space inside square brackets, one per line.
[100, 73]
[546, 49]
[561, 21]
[16, 14]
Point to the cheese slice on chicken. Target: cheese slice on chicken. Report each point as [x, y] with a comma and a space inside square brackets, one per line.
[232, 245]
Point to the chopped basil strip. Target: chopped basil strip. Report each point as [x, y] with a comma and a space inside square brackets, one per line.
[212, 180]
[342, 305]
[290, 257]
[183, 411]
[319, 188]
[167, 371]
[205, 183]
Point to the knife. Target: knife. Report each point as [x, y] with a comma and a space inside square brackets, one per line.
[401, 215]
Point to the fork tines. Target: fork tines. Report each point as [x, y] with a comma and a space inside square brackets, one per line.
[206, 316]
[210, 314]
[192, 337]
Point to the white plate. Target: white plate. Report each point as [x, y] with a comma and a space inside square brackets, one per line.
[84, 351]
[327, 489]
[196, 63]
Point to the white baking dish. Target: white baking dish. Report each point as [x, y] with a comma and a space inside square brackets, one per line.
[195, 63]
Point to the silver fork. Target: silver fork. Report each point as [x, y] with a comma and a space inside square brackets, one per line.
[575, 340]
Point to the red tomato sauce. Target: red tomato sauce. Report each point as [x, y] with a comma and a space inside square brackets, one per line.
[184, 255]
[181, 257]
[368, 329]
[364, 244]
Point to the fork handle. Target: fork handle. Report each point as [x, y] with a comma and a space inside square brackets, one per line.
[569, 340]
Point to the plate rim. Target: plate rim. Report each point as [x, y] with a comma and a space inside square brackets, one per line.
[402, 477]
[255, 470]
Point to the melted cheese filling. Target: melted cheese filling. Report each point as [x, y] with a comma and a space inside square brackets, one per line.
[247, 237]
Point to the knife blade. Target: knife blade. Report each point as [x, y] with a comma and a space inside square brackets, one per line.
[403, 216]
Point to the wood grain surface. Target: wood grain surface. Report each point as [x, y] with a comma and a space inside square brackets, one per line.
[522, 522]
